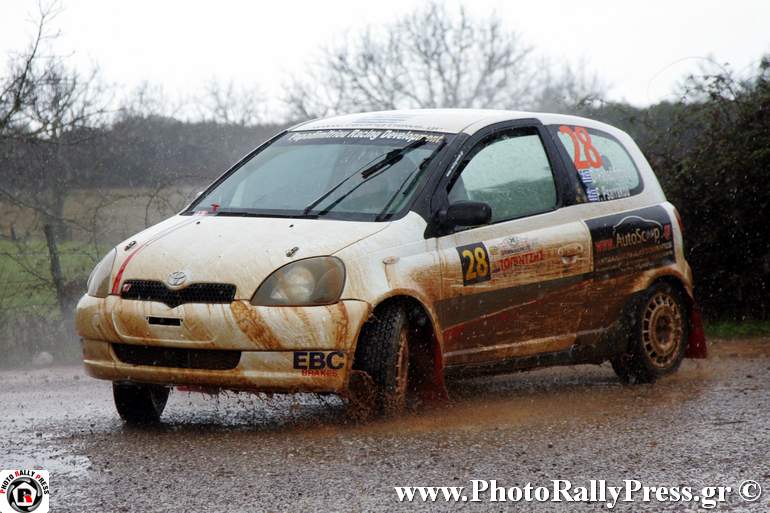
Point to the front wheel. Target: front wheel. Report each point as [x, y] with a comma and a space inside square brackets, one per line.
[139, 403]
[383, 354]
[657, 328]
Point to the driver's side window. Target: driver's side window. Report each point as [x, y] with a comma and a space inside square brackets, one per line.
[511, 173]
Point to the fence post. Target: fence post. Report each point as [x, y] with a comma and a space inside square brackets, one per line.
[56, 274]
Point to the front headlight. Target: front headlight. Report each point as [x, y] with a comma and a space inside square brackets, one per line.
[99, 281]
[312, 281]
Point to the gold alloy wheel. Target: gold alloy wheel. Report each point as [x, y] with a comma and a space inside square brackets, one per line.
[662, 330]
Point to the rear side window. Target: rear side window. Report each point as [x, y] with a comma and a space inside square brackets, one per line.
[511, 173]
[604, 167]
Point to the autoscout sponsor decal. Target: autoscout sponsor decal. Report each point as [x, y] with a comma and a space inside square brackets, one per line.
[23, 491]
[632, 241]
[319, 363]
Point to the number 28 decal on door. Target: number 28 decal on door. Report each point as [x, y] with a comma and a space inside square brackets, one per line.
[474, 259]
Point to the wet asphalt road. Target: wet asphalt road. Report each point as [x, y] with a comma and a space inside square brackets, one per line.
[707, 425]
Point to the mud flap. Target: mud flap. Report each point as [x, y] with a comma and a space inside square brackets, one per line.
[427, 373]
[696, 345]
[435, 392]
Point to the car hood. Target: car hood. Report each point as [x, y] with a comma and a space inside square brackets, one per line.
[238, 250]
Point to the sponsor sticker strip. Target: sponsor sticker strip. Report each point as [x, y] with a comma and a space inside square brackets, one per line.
[366, 134]
[632, 241]
[503, 258]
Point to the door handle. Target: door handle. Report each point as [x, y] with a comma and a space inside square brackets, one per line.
[570, 253]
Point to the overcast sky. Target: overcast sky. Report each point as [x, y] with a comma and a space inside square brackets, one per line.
[639, 48]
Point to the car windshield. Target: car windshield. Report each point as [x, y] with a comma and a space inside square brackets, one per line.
[349, 174]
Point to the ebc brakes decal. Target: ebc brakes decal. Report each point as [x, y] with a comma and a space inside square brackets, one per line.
[318, 363]
[632, 241]
[474, 260]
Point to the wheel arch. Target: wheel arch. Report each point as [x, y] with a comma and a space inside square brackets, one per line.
[426, 344]
[696, 342]
[673, 280]
[677, 283]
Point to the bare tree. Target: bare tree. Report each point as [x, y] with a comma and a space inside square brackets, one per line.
[429, 58]
[567, 88]
[17, 86]
[48, 114]
[46, 105]
[230, 105]
[150, 100]
[44, 139]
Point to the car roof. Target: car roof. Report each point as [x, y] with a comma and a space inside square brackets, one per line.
[440, 120]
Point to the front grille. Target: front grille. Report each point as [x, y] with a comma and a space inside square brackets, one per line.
[209, 359]
[148, 290]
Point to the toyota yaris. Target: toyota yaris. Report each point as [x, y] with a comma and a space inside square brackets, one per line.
[373, 255]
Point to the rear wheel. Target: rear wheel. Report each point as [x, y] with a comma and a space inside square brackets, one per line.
[139, 403]
[657, 331]
[383, 353]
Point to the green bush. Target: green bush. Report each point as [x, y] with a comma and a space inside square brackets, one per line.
[711, 152]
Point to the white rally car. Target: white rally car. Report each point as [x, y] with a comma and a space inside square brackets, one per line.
[372, 255]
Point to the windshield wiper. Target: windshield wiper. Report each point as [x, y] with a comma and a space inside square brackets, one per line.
[369, 170]
[383, 214]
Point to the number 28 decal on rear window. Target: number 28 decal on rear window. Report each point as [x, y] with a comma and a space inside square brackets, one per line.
[474, 259]
[604, 167]
[581, 140]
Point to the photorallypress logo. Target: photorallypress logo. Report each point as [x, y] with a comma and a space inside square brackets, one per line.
[24, 491]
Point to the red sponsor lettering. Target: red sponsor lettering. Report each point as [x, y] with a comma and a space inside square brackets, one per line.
[604, 245]
[521, 259]
[322, 373]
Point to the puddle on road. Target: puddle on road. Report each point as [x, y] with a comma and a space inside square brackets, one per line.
[58, 462]
[575, 395]
[572, 395]
[306, 429]
[568, 396]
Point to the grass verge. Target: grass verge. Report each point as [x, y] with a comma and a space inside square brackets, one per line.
[737, 329]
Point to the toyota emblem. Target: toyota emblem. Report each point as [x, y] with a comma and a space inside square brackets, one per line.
[176, 279]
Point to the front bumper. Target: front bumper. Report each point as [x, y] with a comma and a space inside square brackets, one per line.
[282, 349]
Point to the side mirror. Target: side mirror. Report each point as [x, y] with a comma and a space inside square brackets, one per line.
[465, 213]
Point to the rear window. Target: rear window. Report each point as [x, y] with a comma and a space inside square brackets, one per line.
[604, 167]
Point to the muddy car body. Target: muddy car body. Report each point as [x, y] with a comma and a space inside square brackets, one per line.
[388, 250]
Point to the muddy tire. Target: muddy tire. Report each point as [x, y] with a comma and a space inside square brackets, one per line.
[383, 353]
[138, 403]
[361, 397]
[657, 329]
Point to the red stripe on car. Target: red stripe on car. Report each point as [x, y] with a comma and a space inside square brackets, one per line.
[119, 275]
